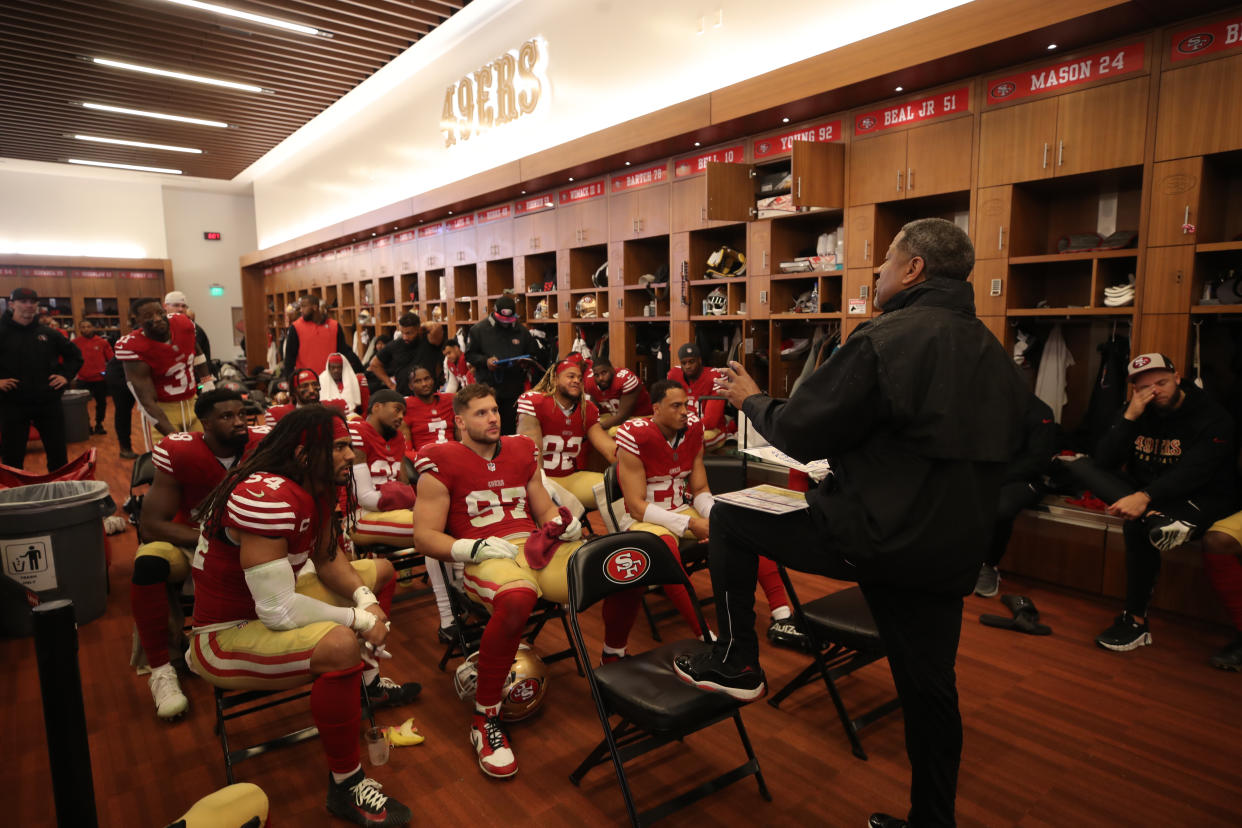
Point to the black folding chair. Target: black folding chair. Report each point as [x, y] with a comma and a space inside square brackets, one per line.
[843, 638]
[142, 474]
[654, 707]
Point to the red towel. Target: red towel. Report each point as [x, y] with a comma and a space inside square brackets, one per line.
[395, 495]
[540, 545]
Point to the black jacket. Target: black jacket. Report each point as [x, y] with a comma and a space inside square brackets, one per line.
[1039, 443]
[489, 338]
[31, 354]
[919, 412]
[400, 358]
[1186, 454]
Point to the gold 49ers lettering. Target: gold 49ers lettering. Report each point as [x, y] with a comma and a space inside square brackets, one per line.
[500, 92]
[1166, 451]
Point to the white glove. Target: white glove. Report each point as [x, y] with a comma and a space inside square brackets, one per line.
[1171, 535]
[364, 597]
[468, 550]
[572, 531]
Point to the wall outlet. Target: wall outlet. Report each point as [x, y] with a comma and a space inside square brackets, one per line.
[996, 288]
[863, 290]
[763, 297]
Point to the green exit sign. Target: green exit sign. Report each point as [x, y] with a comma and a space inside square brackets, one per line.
[216, 290]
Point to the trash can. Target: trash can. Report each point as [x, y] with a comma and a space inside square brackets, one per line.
[77, 420]
[52, 546]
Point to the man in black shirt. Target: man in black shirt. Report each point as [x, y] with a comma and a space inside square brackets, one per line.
[495, 339]
[393, 364]
[36, 365]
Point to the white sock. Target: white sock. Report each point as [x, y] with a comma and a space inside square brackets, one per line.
[781, 613]
[435, 577]
[492, 710]
[612, 651]
[338, 778]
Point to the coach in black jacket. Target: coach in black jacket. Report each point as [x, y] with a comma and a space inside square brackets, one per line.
[919, 412]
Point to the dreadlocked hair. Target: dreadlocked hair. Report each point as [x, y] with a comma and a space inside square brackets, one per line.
[308, 427]
[547, 385]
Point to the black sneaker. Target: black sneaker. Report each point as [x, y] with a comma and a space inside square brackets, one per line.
[988, 582]
[358, 800]
[708, 671]
[384, 692]
[1165, 533]
[787, 633]
[1229, 658]
[448, 635]
[886, 821]
[1124, 635]
[128, 454]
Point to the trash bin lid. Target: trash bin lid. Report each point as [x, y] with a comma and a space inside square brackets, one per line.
[74, 394]
[44, 497]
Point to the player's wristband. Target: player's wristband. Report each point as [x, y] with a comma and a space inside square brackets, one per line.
[363, 621]
[364, 597]
[674, 522]
[703, 502]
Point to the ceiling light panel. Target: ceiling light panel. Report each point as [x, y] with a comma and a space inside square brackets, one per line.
[135, 167]
[168, 73]
[253, 18]
[143, 144]
[121, 110]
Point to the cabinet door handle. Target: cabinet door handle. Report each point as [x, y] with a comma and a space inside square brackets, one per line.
[1060, 152]
[899, 181]
[1000, 238]
[866, 250]
[1186, 221]
[641, 222]
[765, 260]
[799, 186]
[703, 213]
[909, 178]
[1045, 165]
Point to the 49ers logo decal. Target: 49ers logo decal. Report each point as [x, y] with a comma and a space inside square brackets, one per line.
[1004, 89]
[1195, 43]
[524, 691]
[626, 565]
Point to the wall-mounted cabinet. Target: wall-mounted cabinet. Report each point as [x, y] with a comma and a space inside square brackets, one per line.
[813, 177]
[916, 162]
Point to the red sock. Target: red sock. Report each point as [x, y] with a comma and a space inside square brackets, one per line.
[510, 610]
[336, 707]
[770, 580]
[620, 612]
[1226, 574]
[678, 594]
[148, 603]
[384, 595]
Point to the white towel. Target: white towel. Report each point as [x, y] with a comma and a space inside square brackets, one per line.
[1050, 380]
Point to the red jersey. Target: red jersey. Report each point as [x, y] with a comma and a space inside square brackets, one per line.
[487, 497]
[262, 504]
[186, 456]
[383, 457]
[277, 412]
[667, 464]
[95, 355]
[624, 382]
[712, 411]
[429, 422]
[171, 362]
[563, 432]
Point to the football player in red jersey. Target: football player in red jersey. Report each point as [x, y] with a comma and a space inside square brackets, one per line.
[187, 467]
[163, 366]
[701, 382]
[556, 416]
[478, 501]
[385, 496]
[305, 392]
[262, 622]
[618, 393]
[661, 473]
[428, 413]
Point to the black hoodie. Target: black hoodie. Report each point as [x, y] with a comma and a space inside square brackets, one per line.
[919, 412]
[31, 354]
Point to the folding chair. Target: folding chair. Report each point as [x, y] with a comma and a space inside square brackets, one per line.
[843, 638]
[142, 474]
[653, 705]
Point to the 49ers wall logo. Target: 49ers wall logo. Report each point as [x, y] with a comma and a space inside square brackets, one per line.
[524, 691]
[626, 565]
[1195, 43]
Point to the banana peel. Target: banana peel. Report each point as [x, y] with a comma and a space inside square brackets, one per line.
[405, 735]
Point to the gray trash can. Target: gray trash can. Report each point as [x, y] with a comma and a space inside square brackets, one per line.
[77, 419]
[52, 545]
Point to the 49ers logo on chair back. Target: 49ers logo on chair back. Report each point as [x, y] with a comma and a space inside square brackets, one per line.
[626, 565]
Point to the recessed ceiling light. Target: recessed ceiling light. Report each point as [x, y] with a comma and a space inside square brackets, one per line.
[253, 18]
[124, 166]
[697, 144]
[523, 192]
[160, 115]
[167, 73]
[571, 178]
[1051, 46]
[142, 144]
[627, 163]
[899, 89]
[372, 234]
[450, 212]
[784, 120]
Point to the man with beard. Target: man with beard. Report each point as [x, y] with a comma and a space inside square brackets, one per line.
[312, 337]
[1176, 446]
[385, 496]
[162, 366]
[618, 393]
[428, 413]
[187, 467]
[556, 417]
[501, 337]
[701, 382]
[478, 502]
[417, 346]
[340, 387]
[305, 392]
[263, 620]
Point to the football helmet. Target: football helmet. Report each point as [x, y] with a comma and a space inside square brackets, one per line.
[586, 307]
[716, 303]
[600, 277]
[524, 687]
[437, 314]
[541, 309]
[725, 262]
[807, 302]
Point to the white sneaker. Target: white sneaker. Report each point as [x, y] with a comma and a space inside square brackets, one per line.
[170, 702]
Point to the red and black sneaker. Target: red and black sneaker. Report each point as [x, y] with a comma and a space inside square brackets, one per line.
[496, 758]
[709, 671]
[358, 800]
[384, 692]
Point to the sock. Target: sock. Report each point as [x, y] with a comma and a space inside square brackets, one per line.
[336, 708]
[678, 594]
[384, 596]
[613, 651]
[620, 611]
[148, 604]
[1226, 574]
[781, 613]
[435, 577]
[773, 588]
[338, 778]
[370, 667]
[499, 644]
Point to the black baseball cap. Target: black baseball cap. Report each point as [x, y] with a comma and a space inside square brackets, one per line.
[689, 351]
[386, 395]
[506, 307]
[23, 294]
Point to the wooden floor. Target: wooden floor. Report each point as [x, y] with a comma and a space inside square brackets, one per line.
[1058, 732]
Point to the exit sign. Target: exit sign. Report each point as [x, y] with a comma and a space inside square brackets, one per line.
[212, 236]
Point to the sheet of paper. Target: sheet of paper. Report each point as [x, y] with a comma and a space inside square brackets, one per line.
[817, 469]
[766, 498]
